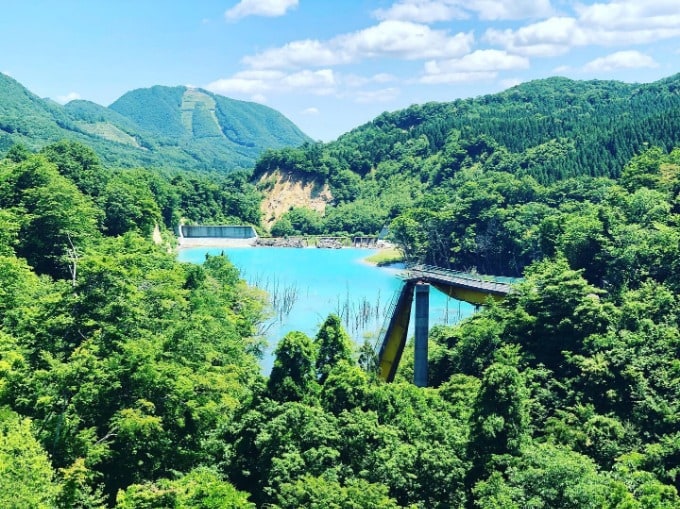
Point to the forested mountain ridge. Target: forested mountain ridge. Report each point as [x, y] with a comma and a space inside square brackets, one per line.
[471, 184]
[597, 125]
[594, 128]
[211, 132]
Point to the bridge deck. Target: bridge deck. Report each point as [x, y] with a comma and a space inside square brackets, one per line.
[437, 275]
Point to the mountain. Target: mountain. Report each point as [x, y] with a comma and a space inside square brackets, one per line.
[550, 129]
[167, 127]
[474, 183]
[594, 126]
[207, 126]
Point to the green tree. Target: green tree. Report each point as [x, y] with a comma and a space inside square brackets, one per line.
[202, 488]
[17, 153]
[293, 375]
[333, 345]
[500, 420]
[346, 387]
[55, 216]
[282, 227]
[548, 476]
[644, 170]
[78, 163]
[129, 205]
[26, 475]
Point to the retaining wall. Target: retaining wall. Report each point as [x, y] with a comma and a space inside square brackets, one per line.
[222, 231]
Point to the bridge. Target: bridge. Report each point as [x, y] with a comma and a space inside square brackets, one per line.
[473, 288]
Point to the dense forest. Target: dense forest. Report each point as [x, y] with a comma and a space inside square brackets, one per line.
[130, 380]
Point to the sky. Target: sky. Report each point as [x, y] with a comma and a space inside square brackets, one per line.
[331, 65]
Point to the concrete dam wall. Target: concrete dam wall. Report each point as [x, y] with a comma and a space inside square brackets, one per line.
[222, 232]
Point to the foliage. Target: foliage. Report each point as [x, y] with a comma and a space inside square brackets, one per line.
[125, 365]
[25, 471]
[317, 492]
[53, 215]
[333, 345]
[293, 375]
[201, 488]
[500, 417]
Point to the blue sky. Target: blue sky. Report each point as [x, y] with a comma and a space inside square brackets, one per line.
[331, 65]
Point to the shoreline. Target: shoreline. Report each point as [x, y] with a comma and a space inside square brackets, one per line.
[385, 254]
[189, 242]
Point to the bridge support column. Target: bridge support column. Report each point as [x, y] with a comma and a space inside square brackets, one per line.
[421, 331]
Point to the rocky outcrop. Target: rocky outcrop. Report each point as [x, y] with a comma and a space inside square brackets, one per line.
[284, 191]
[281, 242]
[329, 243]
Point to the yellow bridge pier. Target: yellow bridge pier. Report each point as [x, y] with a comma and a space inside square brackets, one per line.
[471, 288]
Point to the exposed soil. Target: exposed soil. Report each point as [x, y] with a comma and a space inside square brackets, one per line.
[284, 191]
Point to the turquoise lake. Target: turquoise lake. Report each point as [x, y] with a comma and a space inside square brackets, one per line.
[306, 285]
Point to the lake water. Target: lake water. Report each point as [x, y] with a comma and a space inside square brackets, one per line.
[306, 285]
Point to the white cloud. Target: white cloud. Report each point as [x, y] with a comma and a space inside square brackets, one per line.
[515, 9]
[631, 21]
[430, 11]
[562, 69]
[553, 36]
[259, 98]
[618, 22]
[398, 39]
[457, 77]
[256, 82]
[71, 96]
[476, 66]
[321, 82]
[376, 96]
[403, 39]
[383, 77]
[301, 53]
[353, 80]
[268, 8]
[310, 111]
[631, 15]
[621, 60]
[480, 60]
[422, 11]
[246, 82]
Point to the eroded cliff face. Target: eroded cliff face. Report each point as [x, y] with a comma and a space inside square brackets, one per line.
[285, 191]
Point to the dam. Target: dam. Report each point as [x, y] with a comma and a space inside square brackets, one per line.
[189, 235]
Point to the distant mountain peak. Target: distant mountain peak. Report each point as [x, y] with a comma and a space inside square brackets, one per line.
[176, 127]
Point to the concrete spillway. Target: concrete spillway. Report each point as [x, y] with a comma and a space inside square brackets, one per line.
[217, 231]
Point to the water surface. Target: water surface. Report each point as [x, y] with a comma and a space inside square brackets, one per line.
[309, 284]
